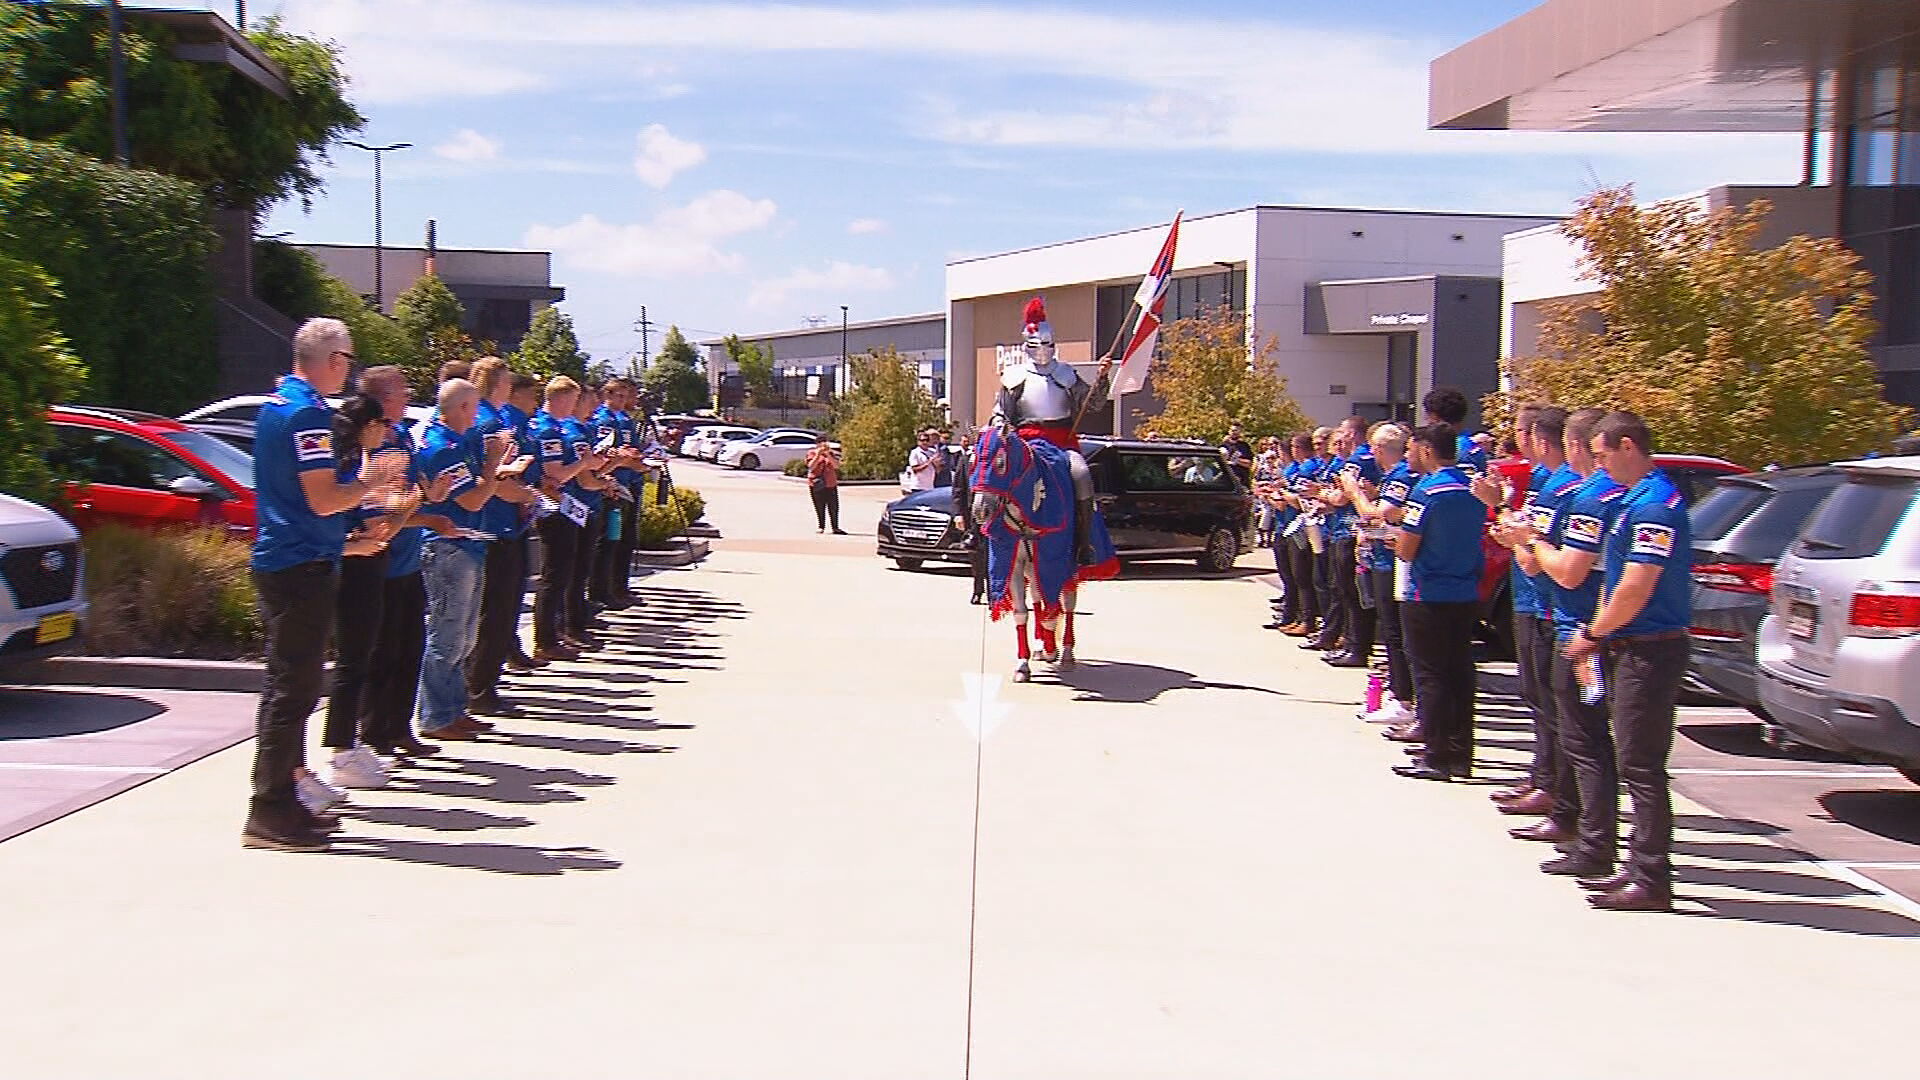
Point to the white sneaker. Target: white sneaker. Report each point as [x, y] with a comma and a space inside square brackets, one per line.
[316, 794]
[1390, 712]
[358, 768]
[375, 759]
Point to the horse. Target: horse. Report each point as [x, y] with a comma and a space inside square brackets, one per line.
[1022, 494]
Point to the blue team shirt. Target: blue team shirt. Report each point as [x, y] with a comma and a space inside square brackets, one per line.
[1468, 457]
[1652, 529]
[1284, 514]
[550, 446]
[444, 453]
[293, 435]
[1396, 487]
[1363, 468]
[580, 435]
[1450, 521]
[1543, 502]
[618, 424]
[403, 551]
[1526, 596]
[1581, 524]
[499, 517]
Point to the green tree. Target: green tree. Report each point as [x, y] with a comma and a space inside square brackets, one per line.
[551, 347]
[204, 123]
[1210, 380]
[877, 420]
[1755, 355]
[128, 250]
[755, 364]
[428, 309]
[675, 375]
[36, 368]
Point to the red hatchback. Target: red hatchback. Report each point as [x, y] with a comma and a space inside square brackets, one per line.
[149, 472]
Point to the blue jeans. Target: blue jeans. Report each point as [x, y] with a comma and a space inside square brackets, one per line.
[453, 579]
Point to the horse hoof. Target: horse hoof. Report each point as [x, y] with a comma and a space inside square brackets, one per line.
[1051, 658]
[1022, 673]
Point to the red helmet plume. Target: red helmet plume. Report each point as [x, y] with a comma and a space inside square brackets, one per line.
[1035, 314]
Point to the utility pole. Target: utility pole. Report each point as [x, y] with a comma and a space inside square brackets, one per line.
[240, 14]
[117, 80]
[643, 326]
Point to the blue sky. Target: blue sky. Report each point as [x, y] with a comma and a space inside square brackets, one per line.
[740, 166]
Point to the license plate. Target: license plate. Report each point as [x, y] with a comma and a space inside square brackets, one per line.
[56, 628]
[1802, 620]
[919, 536]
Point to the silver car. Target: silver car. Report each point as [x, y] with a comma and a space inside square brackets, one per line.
[1839, 650]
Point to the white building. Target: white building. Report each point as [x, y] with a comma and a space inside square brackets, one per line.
[808, 362]
[1367, 309]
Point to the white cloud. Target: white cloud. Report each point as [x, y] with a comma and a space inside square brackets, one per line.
[469, 145]
[836, 278]
[679, 240]
[866, 226]
[660, 156]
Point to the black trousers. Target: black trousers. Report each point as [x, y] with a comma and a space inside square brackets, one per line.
[609, 573]
[1533, 645]
[826, 506]
[1300, 558]
[629, 539]
[1644, 677]
[502, 594]
[1586, 784]
[1333, 612]
[1440, 645]
[1389, 614]
[559, 546]
[586, 548]
[1358, 617]
[1290, 606]
[393, 674]
[356, 631]
[296, 610]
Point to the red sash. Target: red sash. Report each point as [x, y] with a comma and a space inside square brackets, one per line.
[1059, 435]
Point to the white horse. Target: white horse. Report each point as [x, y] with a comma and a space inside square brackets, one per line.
[1055, 634]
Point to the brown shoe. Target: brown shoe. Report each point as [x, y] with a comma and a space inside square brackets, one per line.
[1631, 897]
[411, 747]
[473, 723]
[523, 662]
[1536, 802]
[555, 652]
[1519, 791]
[1610, 883]
[454, 732]
[1405, 733]
[1547, 831]
[1296, 630]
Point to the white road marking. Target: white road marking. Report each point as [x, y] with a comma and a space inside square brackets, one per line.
[980, 710]
[150, 770]
[1849, 873]
[1798, 774]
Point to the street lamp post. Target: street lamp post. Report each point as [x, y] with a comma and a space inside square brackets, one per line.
[379, 252]
[842, 373]
[117, 81]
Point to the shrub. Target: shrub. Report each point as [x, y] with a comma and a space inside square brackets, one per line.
[658, 524]
[35, 369]
[186, 592]
[877, 420]
[796, 467]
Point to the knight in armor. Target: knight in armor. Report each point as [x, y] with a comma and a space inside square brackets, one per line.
[1045, 400]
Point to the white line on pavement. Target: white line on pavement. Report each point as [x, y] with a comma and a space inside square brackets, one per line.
[1848, 873]
[1797, 774]
[980, 710]
[56, 766]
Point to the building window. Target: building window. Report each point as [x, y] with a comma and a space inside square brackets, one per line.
[503, 322]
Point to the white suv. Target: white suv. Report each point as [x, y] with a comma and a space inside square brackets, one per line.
[1839, 650]
[43, 599]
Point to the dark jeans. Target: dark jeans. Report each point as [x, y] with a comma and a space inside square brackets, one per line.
[1326, 588]
[609, 573]
[629, 539]
[1586, 785]
[393, 676]
[1533, 644]
[1390, 615]
[1440, 645]
[296, 610]
[586, 547]
[826, 505]
[1359, 618]
[1644, 681]
[1289, 590]
[356, 630]
[502, 595]
[1300, 558]
[559, 543]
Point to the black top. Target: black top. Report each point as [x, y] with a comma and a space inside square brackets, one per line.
[1239, 457]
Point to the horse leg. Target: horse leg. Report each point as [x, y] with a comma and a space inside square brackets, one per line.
[1068, 601]
[1018, 586]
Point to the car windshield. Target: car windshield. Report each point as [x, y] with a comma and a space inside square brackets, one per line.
[235, 464]
[1724, 507]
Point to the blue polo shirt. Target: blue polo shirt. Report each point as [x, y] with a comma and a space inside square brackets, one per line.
[1396, 487]
[1450, 522]
[293, 435]
[1581, 524]
[618, 424]
[1362, 467]
[403, 551]
[1468, 457]
[1543, 502]
[1652, 530]
[499, 517]
[1284, 514]
[580, 435]
[550, 446]
[1526, 596]
[445, 453]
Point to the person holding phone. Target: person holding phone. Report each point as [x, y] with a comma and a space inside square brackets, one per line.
[823, 484]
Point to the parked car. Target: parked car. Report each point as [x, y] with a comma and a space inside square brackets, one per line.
[1693, 474]
[1840, 645]
[1161, 500]
[1740, 528]
[768, 450]
[149, 472]
[231, 420]
[705, 442]
[675, 428]
[44, 599]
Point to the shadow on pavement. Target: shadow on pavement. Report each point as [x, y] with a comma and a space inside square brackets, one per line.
[1892, 813]
[453, 820]
[600, 747]
[497, 781]
[1743, 740]
[492, 858]
[45, 714]
[1116, 681]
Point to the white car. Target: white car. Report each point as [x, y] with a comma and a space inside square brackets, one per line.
[772, 450]
[44, 595]
[245, 409]
[705, 443]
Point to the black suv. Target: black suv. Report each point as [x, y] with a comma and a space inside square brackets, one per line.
[1161, 499]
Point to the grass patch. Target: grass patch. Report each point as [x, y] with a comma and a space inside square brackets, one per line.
[186, 592]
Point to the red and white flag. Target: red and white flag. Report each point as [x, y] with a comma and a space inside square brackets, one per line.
[1152, 301]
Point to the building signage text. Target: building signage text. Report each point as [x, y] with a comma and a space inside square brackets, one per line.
[1405, 318]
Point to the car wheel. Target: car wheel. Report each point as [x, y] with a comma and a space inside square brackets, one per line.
[750, 462]
[908, 564]
[1223, 548]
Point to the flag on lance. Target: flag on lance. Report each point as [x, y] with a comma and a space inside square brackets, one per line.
[1152, 302]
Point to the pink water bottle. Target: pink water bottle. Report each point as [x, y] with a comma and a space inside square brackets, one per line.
[1376, 691]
